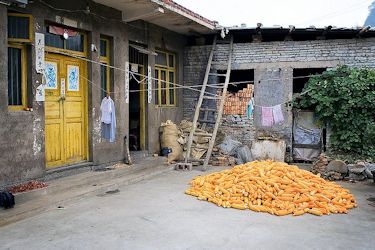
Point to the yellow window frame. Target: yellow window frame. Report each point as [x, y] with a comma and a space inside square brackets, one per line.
[31, 37]
[168, 70]
[70, 52]
[23, 77]
[106, 60]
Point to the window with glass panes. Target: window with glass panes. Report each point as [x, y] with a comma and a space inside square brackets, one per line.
[165, 73]
[105, 71]
[19, 34]
[74, 43]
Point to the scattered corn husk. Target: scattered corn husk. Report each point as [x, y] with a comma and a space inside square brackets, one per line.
[272, 187]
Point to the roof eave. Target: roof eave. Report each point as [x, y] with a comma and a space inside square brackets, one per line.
[210, 25]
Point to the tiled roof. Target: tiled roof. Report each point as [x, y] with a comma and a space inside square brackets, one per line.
[189, 12]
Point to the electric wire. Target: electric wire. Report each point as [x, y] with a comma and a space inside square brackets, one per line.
[146, 76]
[337, 12]
[181, 87]
[176, 86]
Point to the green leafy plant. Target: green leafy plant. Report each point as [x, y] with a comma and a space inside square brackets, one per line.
[344, 98]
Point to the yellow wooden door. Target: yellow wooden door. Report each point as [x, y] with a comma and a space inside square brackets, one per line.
[65, 111]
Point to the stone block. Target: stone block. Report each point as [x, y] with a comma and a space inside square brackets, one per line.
[338, 166]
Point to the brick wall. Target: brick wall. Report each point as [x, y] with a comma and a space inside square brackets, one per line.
[239, 127]
[273, 64]
[236, 103]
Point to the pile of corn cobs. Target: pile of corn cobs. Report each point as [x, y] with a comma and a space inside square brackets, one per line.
[273, 187]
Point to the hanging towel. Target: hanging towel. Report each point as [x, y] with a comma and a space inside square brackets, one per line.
[108, 119]
[277, 114]
[250, 108]
[267, 117]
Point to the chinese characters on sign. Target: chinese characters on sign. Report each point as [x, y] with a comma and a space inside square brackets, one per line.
[127, 82]
[62, 90]
[39, 52]
[149, 84]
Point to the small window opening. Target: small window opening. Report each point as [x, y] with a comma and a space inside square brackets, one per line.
[240, 92]
[302, 76]
[54, 38]
[239, 79]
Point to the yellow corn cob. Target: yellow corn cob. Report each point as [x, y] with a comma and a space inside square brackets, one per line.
[272, 187]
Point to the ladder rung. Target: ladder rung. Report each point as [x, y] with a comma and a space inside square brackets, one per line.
[207, 109]
[217, 74]
[222, 42]
[207, 121]
[212, 97]
[203, 134]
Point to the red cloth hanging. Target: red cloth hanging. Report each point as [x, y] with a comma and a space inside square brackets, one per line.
[60, 31]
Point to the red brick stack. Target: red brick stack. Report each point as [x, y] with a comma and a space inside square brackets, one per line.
[236, 103]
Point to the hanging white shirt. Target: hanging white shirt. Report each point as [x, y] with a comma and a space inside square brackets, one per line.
[106, 109]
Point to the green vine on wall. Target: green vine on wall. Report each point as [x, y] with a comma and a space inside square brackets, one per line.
[344, 98]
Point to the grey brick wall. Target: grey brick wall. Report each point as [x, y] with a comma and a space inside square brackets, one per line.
[275, 60]
[239, 127]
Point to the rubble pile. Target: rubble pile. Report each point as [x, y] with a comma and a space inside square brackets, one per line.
[218, 158]
[200, 141]
[272, 187]
[227, 153]
[361, 171]
[319, 166]
[335, 170]
[338, 170]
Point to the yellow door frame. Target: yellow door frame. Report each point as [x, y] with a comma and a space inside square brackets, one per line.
[60, 59]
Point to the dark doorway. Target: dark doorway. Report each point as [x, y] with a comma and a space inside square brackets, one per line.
[309, 139]
[137, 105]
[134, 114]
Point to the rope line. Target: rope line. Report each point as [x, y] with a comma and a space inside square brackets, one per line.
[175, 85]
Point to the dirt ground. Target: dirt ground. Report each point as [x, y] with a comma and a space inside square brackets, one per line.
[156, 214]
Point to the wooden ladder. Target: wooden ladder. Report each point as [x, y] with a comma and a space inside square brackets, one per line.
[203, 95]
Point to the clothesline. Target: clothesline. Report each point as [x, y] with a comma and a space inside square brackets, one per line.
[301, 94]
[176, 84]
[260, 106]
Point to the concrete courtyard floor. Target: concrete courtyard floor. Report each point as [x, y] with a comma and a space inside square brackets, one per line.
[156, 214]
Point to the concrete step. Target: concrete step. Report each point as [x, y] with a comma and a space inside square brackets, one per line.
[65, 171]
[74, 188]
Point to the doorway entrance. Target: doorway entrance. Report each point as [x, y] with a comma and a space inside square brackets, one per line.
[137, 110]
[65, 111]
[137, 101]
